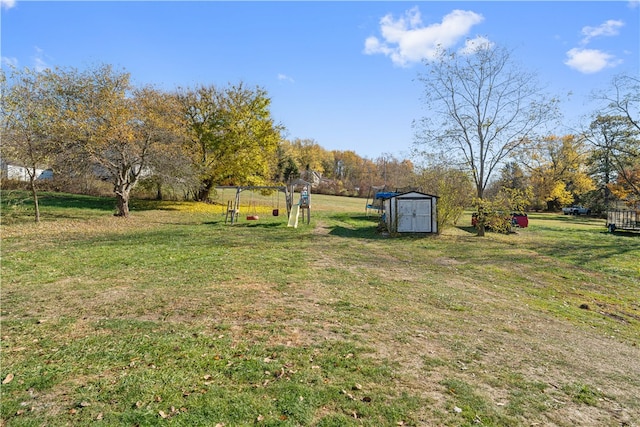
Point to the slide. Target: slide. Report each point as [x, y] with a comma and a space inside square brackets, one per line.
[293, 219]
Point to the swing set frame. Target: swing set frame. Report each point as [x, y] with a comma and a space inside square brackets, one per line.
[233, 207]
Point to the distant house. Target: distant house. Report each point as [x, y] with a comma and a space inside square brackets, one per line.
[16, 172]
[315, 178]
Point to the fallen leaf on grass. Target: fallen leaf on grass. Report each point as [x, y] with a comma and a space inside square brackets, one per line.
[7, 379]
[162, 414]
[349, 395]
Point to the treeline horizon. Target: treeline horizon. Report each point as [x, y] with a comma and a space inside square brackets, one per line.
[94, 126]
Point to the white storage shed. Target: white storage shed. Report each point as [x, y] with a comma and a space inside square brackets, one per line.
[411, 212]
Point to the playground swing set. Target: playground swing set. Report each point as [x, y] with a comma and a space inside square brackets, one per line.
[303, 205]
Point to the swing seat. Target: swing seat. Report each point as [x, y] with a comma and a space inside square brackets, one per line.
[276, 212]
[252, 217]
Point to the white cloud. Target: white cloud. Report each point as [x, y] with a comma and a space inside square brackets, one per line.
[607, 29]
[7, 4]
[589, 61]
[284, 77]
[406, 40]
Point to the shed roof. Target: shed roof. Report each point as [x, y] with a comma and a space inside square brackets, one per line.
[412, 193]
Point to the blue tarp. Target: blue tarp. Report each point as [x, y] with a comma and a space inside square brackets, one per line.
[386, 194]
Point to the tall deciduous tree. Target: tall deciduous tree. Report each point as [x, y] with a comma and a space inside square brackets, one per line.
[395, 174]
[512, 176]
[310, 156]
[119, 128]
[232, 135]
[616, 154]
[557, 170]
[615, 132]
[623, 98]
[481, 108]
[26, 124]
[346, 169]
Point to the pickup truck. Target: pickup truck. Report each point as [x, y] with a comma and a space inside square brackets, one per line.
[576, 210]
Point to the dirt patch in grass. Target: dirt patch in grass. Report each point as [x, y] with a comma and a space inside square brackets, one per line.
[321, 229]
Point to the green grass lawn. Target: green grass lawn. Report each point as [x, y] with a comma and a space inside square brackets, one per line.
[174, 317]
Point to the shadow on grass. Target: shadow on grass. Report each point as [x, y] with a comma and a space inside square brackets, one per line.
[360, 233]
[352, 225]
[624, 233]
[79, 201]
[259, 224]
[583, 219]
[361, 226]
[469, 229]
[76, 201]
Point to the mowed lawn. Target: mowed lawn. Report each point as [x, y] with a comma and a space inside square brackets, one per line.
[172, 317]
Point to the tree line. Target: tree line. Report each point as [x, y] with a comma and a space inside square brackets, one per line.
[491, 118]
[483, 141]
[94, 124]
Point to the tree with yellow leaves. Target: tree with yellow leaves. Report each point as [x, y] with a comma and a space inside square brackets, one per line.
[557, 171]
[118, 128]
[232, 136]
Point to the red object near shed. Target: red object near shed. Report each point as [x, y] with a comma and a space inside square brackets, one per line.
[517, 220]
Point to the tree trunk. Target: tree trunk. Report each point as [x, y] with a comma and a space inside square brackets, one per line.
[481, 216]
[203, 194]
[122, 198]
[34, 193]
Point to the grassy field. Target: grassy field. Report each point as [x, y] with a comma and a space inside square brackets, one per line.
[172, 317]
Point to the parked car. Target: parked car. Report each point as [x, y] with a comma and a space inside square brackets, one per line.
[576, 210]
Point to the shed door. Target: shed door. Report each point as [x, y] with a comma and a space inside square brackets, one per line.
[414, 216]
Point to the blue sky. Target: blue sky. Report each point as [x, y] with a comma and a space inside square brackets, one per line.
[340, 73]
